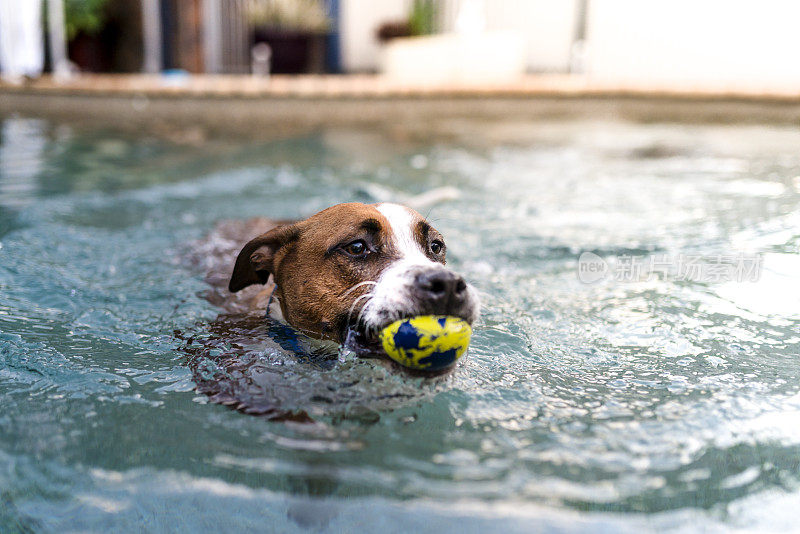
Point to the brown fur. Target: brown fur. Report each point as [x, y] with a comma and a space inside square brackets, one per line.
[314, 276]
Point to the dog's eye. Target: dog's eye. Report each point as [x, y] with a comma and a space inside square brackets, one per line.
[356, 248]
[436, 247]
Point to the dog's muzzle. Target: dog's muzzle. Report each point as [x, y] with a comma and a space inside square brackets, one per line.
[439, 291]
[409, 290]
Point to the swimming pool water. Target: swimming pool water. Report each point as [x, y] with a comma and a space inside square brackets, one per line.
[644, 400]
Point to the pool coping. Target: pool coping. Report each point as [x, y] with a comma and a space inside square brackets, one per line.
[376, 86]
[241, 102]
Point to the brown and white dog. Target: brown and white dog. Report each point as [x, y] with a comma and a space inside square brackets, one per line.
[353, 268]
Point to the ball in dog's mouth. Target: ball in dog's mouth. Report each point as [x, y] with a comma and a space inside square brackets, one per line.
[428, 343]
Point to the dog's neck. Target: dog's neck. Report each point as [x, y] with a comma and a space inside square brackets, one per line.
[274, 312]
[274, 306]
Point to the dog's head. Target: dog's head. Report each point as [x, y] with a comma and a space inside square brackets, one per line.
[356, 266]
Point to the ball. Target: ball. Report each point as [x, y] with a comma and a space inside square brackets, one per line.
[426, 342]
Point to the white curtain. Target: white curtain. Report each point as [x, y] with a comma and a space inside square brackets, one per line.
[21, 39]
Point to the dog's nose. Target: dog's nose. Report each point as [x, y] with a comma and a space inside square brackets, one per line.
[441, 285]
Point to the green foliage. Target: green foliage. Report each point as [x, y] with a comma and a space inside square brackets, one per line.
[86, 16]
[423, 17]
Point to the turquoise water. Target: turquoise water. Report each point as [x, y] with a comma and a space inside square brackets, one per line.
[627, 404]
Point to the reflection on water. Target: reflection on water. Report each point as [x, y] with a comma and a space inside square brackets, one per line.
[21, 158]
[579, 406]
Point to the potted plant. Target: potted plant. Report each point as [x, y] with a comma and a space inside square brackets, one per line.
[84, 20]
[420, 21]
[467, 54]
[295, 31]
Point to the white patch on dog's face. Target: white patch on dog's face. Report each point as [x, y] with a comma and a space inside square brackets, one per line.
[393, 297]
[402, 220]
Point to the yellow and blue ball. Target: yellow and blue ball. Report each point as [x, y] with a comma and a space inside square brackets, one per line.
[426, 342]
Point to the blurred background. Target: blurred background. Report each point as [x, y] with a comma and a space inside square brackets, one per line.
[715, 42]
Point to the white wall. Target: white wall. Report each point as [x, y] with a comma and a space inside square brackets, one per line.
[742, 42]
[547, 25]
[691, 42]
[359, 21]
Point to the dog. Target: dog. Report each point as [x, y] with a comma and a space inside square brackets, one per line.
[354, 269]
[338, 277]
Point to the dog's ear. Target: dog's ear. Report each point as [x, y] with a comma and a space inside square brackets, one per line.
[255, 262]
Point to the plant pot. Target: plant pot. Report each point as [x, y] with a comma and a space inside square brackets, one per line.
[293, 51]
[484, 58]
[89, 53]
